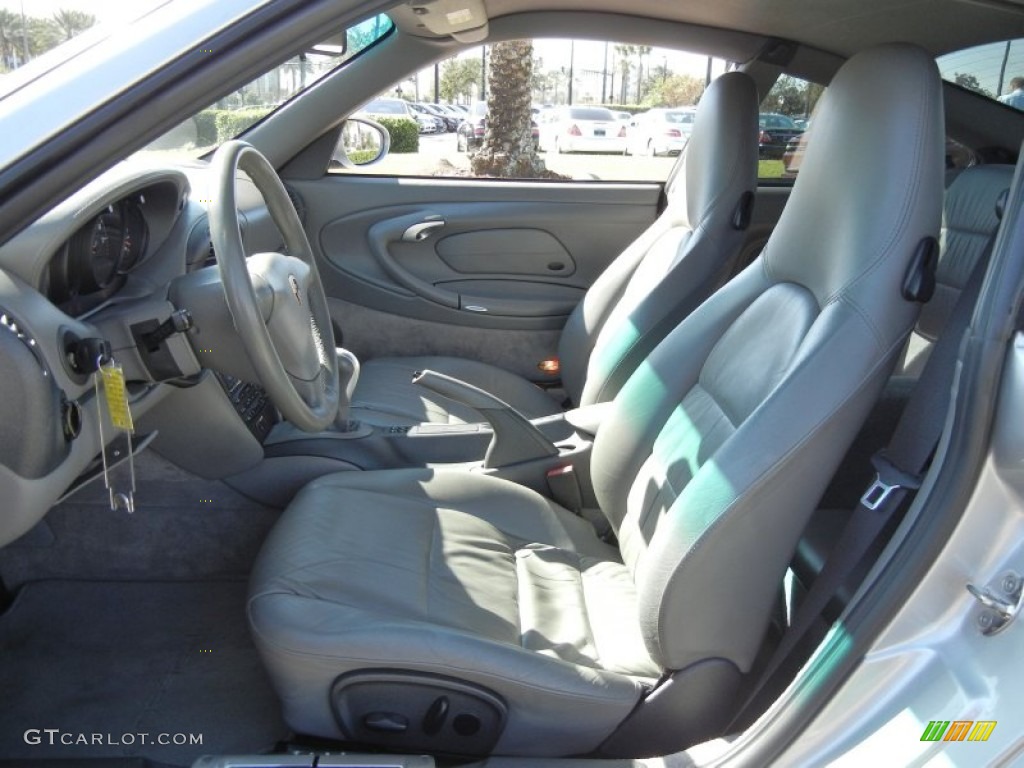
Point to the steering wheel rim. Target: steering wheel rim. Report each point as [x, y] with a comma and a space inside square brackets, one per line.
[308, 400]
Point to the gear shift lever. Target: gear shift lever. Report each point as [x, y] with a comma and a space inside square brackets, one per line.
[348, 374]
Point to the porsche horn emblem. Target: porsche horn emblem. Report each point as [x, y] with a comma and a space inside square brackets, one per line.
[294, 283]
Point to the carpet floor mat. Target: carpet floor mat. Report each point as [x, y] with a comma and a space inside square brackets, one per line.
[120, 669]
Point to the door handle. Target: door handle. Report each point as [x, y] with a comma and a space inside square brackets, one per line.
[417, 233]
[414, 228]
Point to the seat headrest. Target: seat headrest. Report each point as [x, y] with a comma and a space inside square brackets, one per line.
[720, 160]
[870, 185]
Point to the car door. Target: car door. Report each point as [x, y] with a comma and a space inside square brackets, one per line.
[421, 257]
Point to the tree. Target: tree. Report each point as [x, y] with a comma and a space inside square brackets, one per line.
[43, 34]
[792, 96]
[674, 91]
[507, 150]
[971, 83]
[641, 51]
[658, 74]
[10, 39]
[458, 76]
[625, 54]
[71, 23]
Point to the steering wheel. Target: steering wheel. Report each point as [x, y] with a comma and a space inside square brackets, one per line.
[276, 300]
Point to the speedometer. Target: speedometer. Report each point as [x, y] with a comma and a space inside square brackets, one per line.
[96, 260]
[106, 240]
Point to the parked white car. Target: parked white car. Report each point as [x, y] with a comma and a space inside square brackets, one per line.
[660, 131]
[581, 129]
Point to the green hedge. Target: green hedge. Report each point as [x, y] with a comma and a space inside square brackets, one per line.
[405, 133]
[206, 127]
[231, 122]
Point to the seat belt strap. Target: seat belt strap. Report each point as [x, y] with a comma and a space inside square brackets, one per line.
[898, 471]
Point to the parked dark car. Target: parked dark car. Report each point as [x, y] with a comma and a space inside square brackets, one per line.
[471, 133]
[776, 131]
[449, 121]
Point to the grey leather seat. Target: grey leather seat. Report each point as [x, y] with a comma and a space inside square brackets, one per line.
[385, 602]
[638, 299]
[969, 222]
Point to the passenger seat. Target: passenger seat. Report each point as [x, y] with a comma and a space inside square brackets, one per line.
[645, 292]
[971, 215]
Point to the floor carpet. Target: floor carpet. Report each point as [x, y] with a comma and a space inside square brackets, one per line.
[120, 659]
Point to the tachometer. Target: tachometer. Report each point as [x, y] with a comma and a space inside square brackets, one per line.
[95, 261]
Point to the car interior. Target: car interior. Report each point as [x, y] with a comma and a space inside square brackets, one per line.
[435, 469]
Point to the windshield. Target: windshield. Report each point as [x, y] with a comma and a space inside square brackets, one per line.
[679, 117]
[236, 112]
[590, 113]
[386, 107]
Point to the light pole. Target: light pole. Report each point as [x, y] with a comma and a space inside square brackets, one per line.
[24, 33]
[604, 74]
[572, 55]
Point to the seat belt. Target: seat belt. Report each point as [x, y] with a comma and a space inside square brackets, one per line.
[898, 471]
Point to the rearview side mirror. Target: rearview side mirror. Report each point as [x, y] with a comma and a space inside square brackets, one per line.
[362, 142]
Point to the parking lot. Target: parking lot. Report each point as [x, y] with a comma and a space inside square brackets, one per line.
[438, 156]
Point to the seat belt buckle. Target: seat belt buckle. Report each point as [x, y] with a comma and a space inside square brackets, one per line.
[565, 487]
[888, 478]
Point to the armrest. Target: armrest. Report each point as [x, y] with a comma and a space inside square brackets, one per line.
[515, 438]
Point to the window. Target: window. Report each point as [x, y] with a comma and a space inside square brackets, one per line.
[995, 70]
[784, 127]
[601, 111]
[237, 112]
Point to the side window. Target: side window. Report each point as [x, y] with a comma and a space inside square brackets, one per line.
[600, 111]
[993, 70]
[785, 127]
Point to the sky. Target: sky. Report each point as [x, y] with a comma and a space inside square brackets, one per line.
[588, 56]
[104, 10]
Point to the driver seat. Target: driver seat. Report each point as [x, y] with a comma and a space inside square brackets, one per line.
[452, 612]
[658, 280]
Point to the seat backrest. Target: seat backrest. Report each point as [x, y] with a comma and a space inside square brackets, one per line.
[969, 223]
[673, 266]
[716, 450]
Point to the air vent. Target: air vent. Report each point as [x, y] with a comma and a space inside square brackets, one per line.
[297, 201]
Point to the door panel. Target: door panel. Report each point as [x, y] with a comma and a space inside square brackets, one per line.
[523, 251]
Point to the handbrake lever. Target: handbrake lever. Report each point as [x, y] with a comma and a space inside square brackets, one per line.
[515, 438]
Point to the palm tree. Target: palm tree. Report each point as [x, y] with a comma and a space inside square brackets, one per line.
[10, 38]
[641, 51]
[507, 150]
[71, 23]
[626, 54]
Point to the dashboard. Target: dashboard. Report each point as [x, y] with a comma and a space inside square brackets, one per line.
[98, 268]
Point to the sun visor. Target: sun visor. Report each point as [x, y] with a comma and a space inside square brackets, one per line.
[465, 20]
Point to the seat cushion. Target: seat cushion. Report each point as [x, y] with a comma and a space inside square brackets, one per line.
[386, 396]
[456, 574]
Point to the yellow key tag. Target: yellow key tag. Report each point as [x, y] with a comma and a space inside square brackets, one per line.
[117, 396]
[118, 453]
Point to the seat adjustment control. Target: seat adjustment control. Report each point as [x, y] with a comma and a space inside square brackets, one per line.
[433, 721]
[386, 722]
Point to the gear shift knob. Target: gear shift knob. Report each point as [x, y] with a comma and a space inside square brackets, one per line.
[348, 376]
